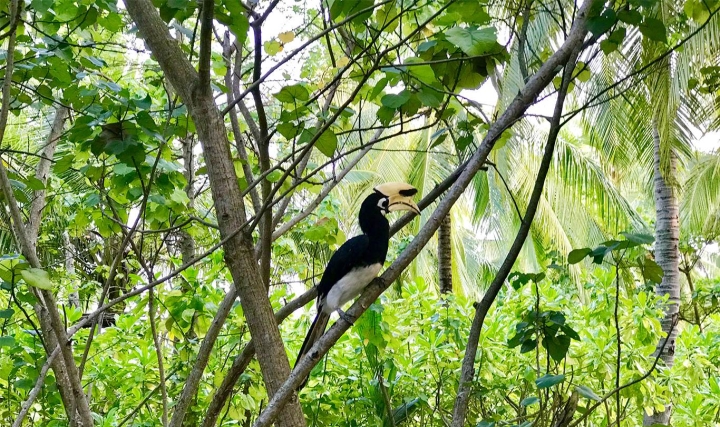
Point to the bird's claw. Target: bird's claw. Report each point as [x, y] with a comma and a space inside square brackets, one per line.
[344, 316]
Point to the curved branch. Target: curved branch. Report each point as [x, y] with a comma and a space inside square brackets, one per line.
[574, 44]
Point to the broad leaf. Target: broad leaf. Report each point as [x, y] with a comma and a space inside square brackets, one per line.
[38, 278]
[395, 101]
[587, 393]
[292, 94]
[577, 255]
[327, 143]
[548, 380]
[473, 41]
[653, 29]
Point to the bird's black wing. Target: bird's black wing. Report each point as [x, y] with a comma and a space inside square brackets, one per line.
[347, 257]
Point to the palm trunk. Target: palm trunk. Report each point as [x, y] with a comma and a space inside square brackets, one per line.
[445, 255]
[667, 255]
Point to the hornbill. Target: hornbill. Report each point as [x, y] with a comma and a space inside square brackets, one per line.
[353, 266]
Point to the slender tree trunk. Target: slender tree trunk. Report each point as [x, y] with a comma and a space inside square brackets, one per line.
[194, 89]
[445, 255]
[186, 241]
[667, 255]
[42, 172]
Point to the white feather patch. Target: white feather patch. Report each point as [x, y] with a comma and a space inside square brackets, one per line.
[350, 286]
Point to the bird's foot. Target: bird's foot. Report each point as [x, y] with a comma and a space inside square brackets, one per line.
[344, 316]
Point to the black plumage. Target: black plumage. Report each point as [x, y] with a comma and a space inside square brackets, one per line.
[353, 266]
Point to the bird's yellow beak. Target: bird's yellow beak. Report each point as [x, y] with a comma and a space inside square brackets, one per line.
[400, 196]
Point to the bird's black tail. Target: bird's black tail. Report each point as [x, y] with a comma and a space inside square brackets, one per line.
[317, 329]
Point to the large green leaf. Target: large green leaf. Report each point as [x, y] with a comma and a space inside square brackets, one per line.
[38, 278]
[548, 380]
[472, 40]
[327, 143]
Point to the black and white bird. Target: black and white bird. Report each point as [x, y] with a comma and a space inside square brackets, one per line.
[359, 260]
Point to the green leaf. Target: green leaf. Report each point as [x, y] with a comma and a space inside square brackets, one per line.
[272, 47]
[430, 98]
[379, 86]
[327, 143]
[472, 40]
[548, 380]
[653, 271]
[557, 346]
[570, 332]
[38, 278]
[178, 4]
[34, 183]
[528, 345]
[395, 101]
[386, 115]
[292, 94]
[654, 30]
[289, 130]
[614, 40]
[468, 11]
[24, 384]
[600, 24]
[529, 401]
[632, 17]
[7, 313]
[586, 392]
[577, 255]
[422, 72]
[7, 341]
[639, 238]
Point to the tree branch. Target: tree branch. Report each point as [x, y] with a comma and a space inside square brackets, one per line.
[241, 362]
[205, 46]
[232, 81]
[43, 169]
[572, 46]
[36, 388]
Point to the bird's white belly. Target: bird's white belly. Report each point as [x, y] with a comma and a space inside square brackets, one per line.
[350, 286]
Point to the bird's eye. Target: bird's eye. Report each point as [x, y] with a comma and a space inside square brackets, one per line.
[383, 203]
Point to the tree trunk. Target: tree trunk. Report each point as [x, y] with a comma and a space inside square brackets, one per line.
[445, 255]
[667, 255]
[195, 91]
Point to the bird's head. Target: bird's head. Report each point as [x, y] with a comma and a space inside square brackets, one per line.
[396, 196]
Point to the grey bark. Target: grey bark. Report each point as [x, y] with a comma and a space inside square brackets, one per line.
[667, 255]
[445, 255]
[187, 243]
[229, 207]
[41, 173]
